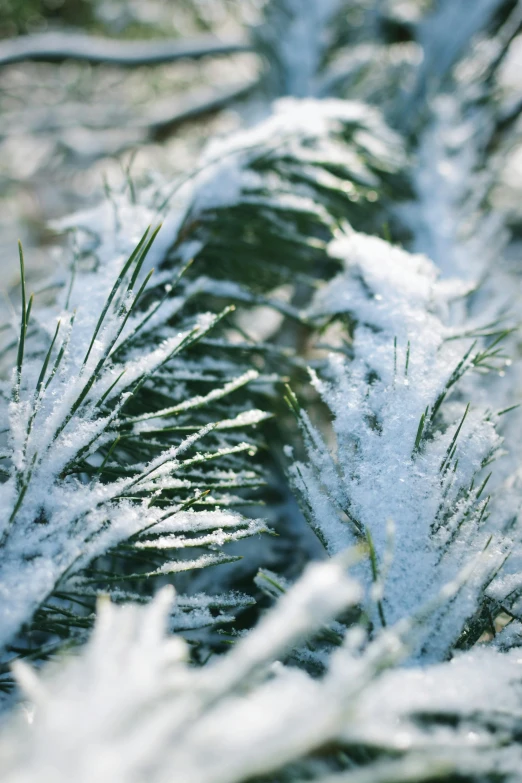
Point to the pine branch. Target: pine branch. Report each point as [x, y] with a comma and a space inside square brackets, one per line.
[244, 717]
[87, 480]
[327, 686]
[408, 450]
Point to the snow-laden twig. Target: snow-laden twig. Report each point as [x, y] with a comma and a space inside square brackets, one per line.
[408, 450]
[130, 708]
[82, 474]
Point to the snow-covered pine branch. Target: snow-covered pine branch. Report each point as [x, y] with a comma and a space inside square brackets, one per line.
[266, 198]
[129, 707]
[465, 213]
[405, 471]
[115, 388]
[105, 457]
[409, 470]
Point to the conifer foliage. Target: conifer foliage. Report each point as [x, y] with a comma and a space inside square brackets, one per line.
[322, 311]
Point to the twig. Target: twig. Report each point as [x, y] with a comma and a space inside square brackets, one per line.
[56, 47]
[159, 127]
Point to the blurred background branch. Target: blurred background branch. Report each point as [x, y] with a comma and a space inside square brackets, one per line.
[57, 47]
[83, 83]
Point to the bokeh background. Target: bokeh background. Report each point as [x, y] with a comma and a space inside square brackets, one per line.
[70, 130]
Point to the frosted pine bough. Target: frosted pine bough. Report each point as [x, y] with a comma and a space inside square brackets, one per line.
[436, 587]
[411, 458]
[130, 706]
[105, 418]
[71, 428]
[392, 298]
